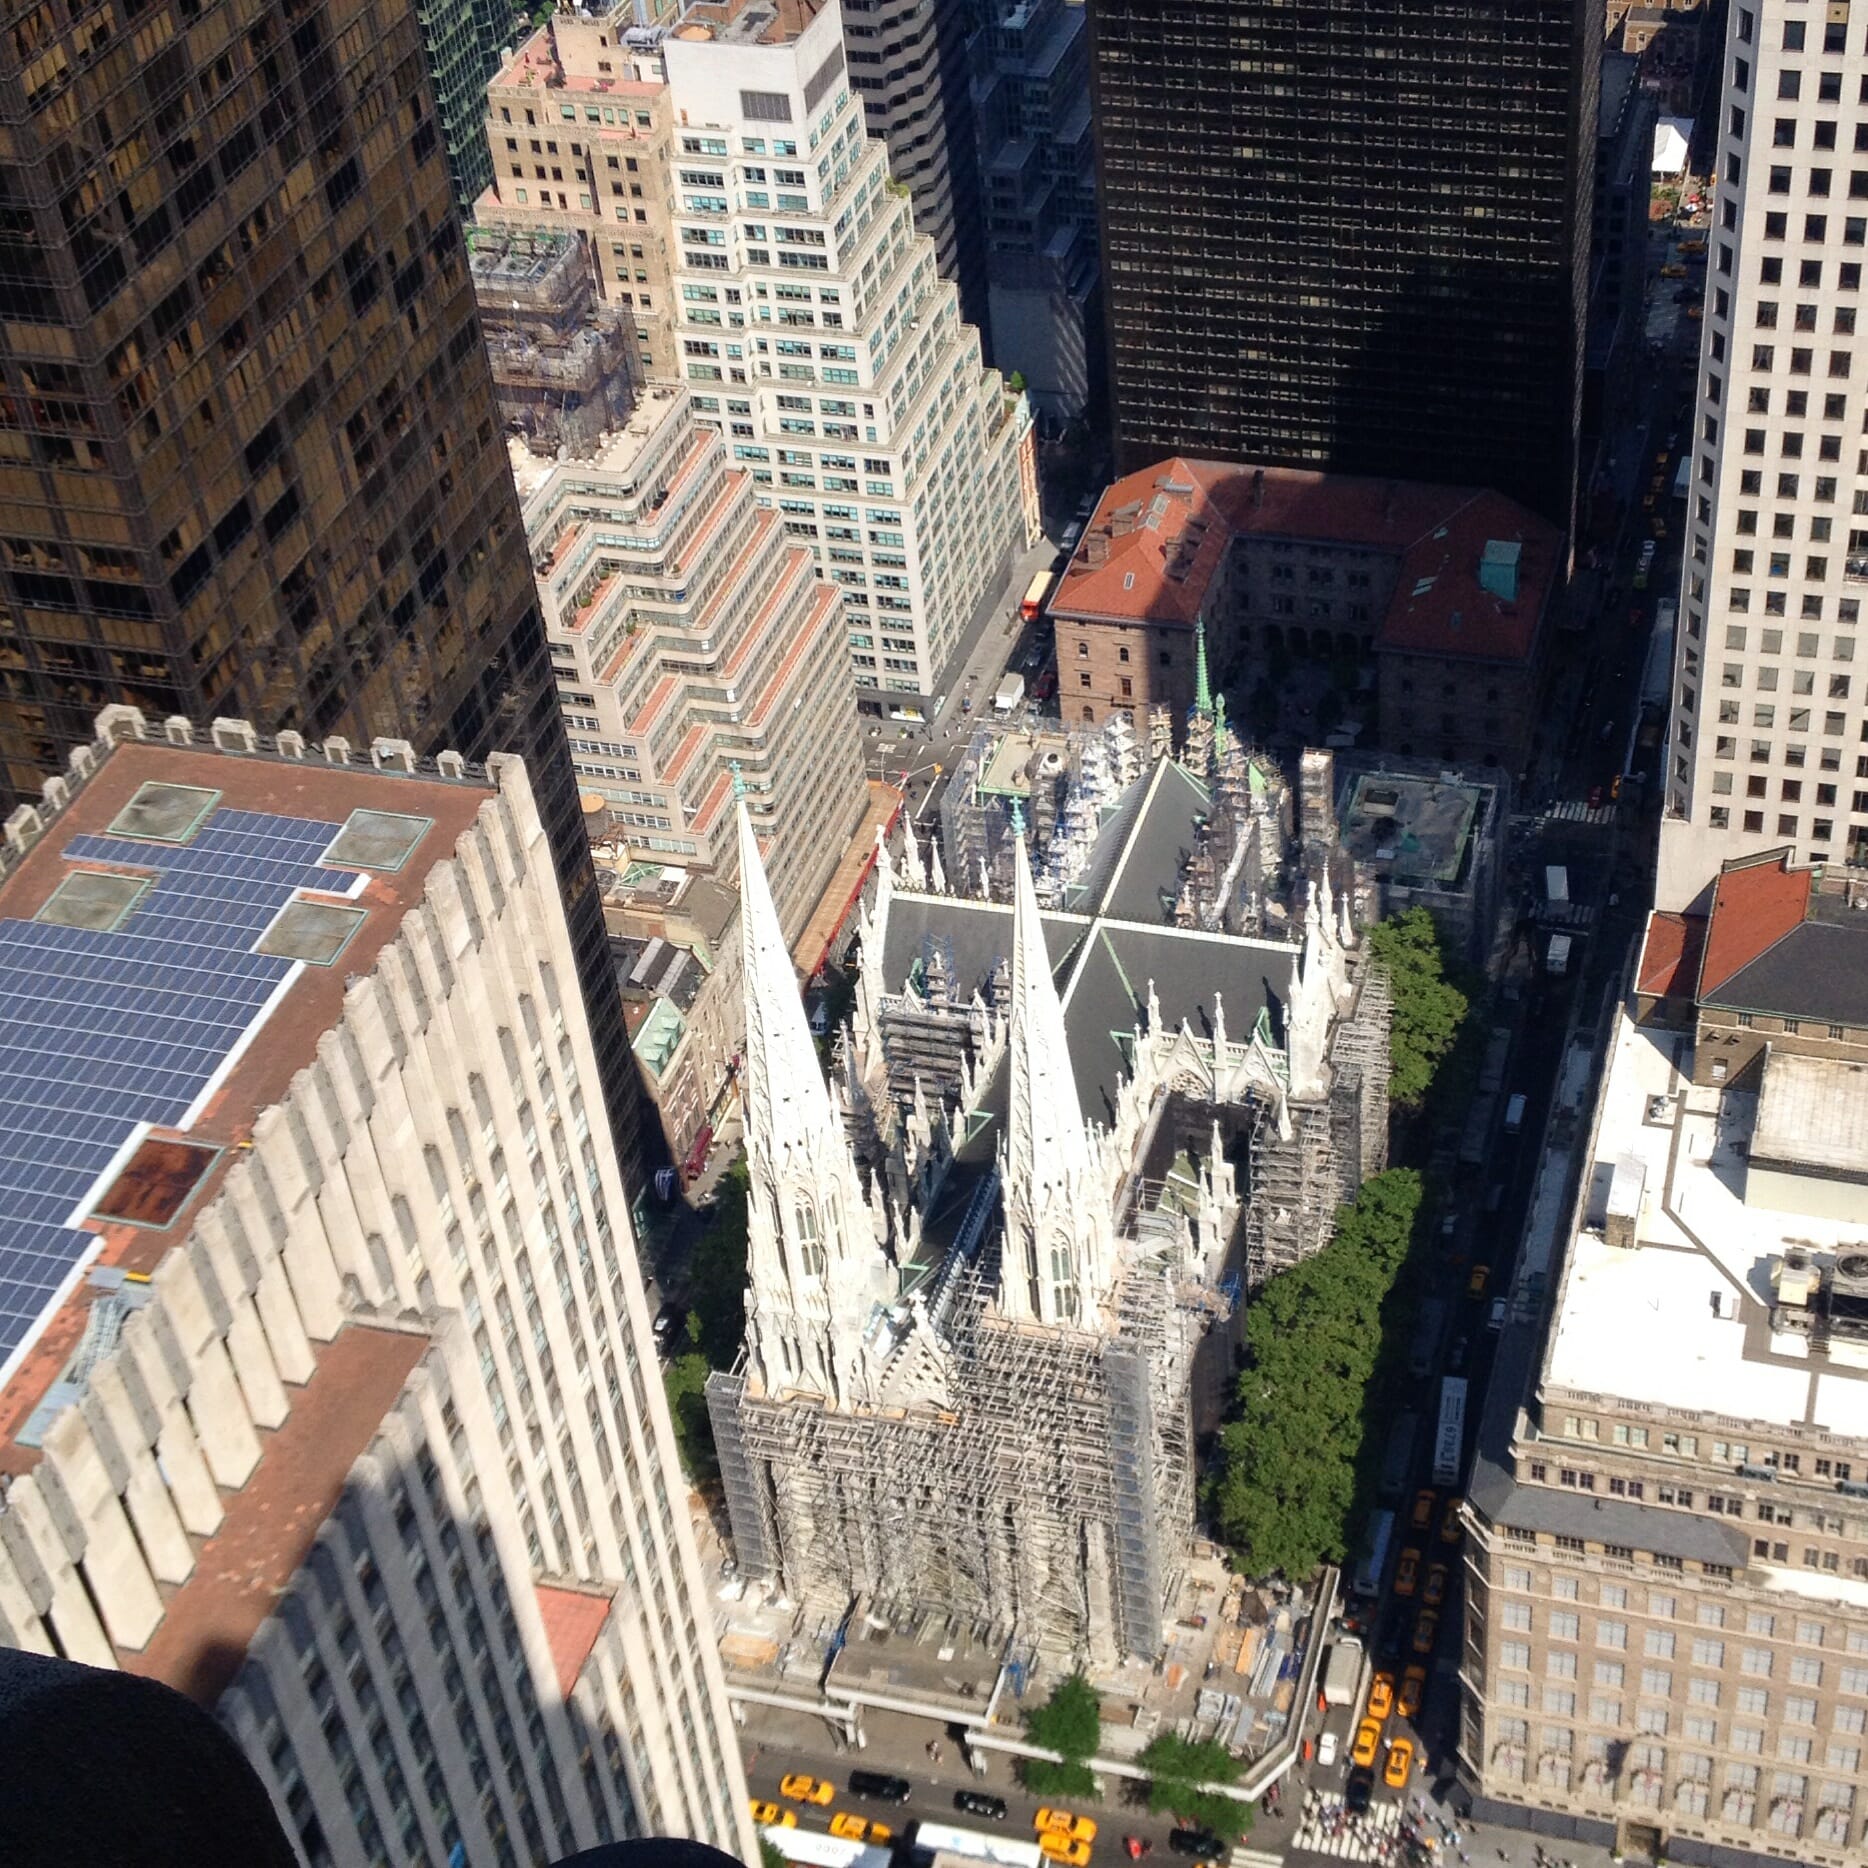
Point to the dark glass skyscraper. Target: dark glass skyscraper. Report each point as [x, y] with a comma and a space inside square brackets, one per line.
[1350, 235]
[250, 462]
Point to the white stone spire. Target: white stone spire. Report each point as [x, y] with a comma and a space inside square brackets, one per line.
[1059, 1252]
[814, 1261]
[913, 873]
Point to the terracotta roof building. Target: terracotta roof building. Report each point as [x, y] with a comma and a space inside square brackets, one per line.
[311, 1221]
[1450, 590]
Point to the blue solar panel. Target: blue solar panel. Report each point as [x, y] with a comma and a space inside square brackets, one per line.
[101, 1031]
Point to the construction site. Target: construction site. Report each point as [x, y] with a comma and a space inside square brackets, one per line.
[561, 356]
[1080, 1114]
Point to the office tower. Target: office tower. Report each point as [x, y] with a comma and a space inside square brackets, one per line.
[909, 64]
[695, 650]
[817, 333]
[1667, 1575]
[1354, 241]
[1037, 160]
[463, 40]
[1770, 702]
[326, 1380]
[256, 467]
[1620, 204]
[578, 127]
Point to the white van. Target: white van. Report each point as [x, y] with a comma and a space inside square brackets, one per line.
[1514, 1114]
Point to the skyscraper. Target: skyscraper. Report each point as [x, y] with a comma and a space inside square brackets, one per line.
[327, 1392]
[1350, 239]
[1770, 720]
[255, 465]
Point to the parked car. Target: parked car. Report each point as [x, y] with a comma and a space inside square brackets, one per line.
[879, 1787]
[980, 1803]
[802, 1789]
[1451, 1530]
[1496, 1319]
[1481, 1277]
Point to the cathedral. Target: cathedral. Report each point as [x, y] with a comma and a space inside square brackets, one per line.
[1061, 1138]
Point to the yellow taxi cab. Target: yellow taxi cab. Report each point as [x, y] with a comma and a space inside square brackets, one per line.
[854, 1828]
[1064, 1823]
[1692, 246]
[1695, 313]
[1672, 271]
[1421, 1517]
[1481, 1277]
[1434, 1593]
[1400, 1765]
[770, 1816]
[1451, 1530]
[1368, 1743]
[1381, 1696]
[1062, 1848]
[1413, 1691]
[1426, 1629]
[1407, 1573]
[798, 1788]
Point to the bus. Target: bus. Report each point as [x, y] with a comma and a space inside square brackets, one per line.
[976, 1845]
[1449, 1443]
[811, 1848]
[1037, 592]
[1368, 1579]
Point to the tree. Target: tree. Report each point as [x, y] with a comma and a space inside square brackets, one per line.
[717, 1273]
[685, 1379]
[1180, 1772]
[1070, 1723]
[1428, 1007]
[771, 1855]
[1285, 1489]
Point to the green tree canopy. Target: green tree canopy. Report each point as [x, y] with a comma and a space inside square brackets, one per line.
[1285, 1486]
[685, 1378]
[1070, 1722]
[717, 1273]
[1428, 1007]
[1179, 1771]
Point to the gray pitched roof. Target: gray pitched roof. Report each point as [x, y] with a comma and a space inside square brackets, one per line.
[1819, 969]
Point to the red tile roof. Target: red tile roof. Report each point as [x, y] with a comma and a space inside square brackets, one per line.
[1754, 906]
[1158, 536]
[1670, 955]
[573, 1618]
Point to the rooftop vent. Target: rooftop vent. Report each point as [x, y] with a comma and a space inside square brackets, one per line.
[162, 813]
[312, 932]
[93, 899]
[156, 1183]
[375, 840]
[1498, 568]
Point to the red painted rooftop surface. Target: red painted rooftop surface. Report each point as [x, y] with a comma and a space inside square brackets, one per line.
[1671, 954]
[1159, 535]
[573, 1619]
[272, 1520]
[1753, 908]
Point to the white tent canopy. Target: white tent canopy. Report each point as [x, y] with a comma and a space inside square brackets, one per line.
[1671, 136]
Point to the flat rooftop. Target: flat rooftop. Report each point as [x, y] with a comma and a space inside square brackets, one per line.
[1682, 1320]
[171, 950]
[1813, 1114]
[1410, 828]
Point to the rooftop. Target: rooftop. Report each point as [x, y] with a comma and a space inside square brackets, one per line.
[1777, 942]
[1681, 1320]
[1813, 1115]
[573, 1618]
[1670, 955]
[185, 901]
[1408, 827]
[1476, 569]
[209, 1621]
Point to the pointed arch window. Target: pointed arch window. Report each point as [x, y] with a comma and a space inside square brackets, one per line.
[810, 1246]
[1064, 1302]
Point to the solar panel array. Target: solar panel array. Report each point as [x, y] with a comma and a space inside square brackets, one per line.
[101, 1031]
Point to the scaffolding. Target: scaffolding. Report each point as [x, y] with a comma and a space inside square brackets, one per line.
[1047, 1494]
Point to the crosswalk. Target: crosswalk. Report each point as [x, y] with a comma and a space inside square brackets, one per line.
[1327, 1829]
[1242, 1857]
[1576, 811]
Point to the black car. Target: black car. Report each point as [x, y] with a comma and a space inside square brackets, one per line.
[1358, 1790]
[978, 1803]
[1200, 1842]
[879, 1787]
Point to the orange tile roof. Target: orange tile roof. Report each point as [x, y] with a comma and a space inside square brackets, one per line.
[1671, 953]
[573, 1618]
[1159, 535]
[1754, 906]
